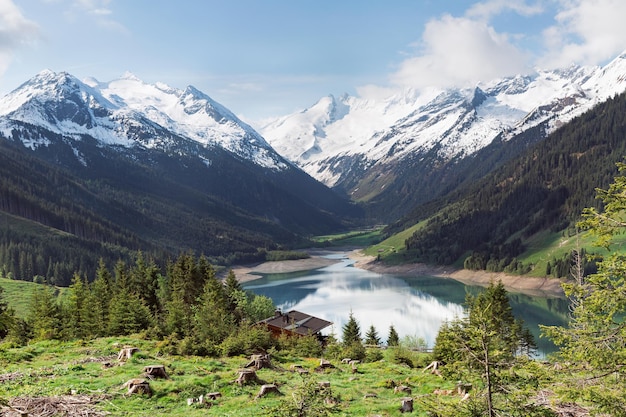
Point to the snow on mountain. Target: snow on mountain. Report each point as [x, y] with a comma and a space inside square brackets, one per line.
[129, 112]
[455, 122]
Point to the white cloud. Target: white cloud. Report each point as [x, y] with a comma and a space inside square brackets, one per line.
[460, 52]
[586, 32]
[15, 32]
[488, 9]
[98, 10]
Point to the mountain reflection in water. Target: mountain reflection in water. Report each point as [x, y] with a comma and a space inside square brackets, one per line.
[415, 306]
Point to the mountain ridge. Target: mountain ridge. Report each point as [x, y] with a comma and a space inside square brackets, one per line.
[168, 170]
[368, 151]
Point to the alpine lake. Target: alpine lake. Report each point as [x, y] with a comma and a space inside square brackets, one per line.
[415, 305]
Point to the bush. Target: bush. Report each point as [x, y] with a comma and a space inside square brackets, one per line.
[247, 340]
[354, 350]
[373, 355]
[303, 346]
[401, 355]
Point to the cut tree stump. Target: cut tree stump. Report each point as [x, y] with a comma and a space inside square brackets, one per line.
[138, 386]
[406, 405]
[434, 368]
[212, 395]
[402, 388]
[267, 389]
[324, 364]
[126, 353]
[259, 362]
[155, 371]
[247, 376]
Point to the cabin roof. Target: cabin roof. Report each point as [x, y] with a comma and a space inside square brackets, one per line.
[296, 322]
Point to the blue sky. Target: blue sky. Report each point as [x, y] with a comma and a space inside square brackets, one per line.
[263, 58]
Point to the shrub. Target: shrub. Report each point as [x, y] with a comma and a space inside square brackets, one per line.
[247, 340]
[373, 355]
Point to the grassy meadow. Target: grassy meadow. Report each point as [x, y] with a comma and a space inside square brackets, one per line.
[51, 368]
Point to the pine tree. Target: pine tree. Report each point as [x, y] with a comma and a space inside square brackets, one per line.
[73, 309]
[128, 314]
[44, 316]
[486, 342]
[212, 321]
[7, 316]
[371, 337]
[101, 293]
[143, 281]
[597, 331]
[393, 339]
[351, 331]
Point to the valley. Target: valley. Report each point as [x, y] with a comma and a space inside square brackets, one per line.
[140, 213]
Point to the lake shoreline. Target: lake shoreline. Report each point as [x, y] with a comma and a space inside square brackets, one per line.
[535, 286]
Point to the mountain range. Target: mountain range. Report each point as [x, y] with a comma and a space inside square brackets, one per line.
[101, 170]
[414, 146]
[165, 169]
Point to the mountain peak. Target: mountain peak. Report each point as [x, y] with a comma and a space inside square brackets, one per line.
[129, 112]
[127, 75]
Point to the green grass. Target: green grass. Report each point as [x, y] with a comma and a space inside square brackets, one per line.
[55, 368]
[544, 247]
[19, 293]
[360, 238]
[391, 249]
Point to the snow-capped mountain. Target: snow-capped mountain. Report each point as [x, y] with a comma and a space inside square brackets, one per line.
[338, 140]
[173, 166]
[131, 113]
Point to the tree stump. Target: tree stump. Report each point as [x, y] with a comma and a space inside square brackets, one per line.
[402, 388]
[462, 388]
[259, 362]
[354, 368]
[138, 386]
[406, 406]
[155, 371]
[267, 389]
[247, 376]
[324, 364]
[212, 395]
[434, 368]
[324, 384]
[126, 353]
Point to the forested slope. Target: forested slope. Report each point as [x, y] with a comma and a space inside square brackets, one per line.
[544, 188]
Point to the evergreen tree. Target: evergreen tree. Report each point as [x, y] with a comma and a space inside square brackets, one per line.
[128, 314]
[486, 342]
[7, 316]
[213, 322]
[44, 315]
[351, 331]
[74, 309]
[237, 298]
[594, 339]
[371, 337]
[101, 293]
[143, 281]
[393, 339]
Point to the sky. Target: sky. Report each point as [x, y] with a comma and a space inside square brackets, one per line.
[267, 58]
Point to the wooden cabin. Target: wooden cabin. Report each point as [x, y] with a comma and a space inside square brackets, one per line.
[294, 323]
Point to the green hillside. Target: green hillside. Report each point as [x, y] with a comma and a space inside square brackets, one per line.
[521, 216]
[18, 294]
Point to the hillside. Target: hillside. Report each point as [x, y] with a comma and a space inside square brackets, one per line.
[544, 189]
[110, 169]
